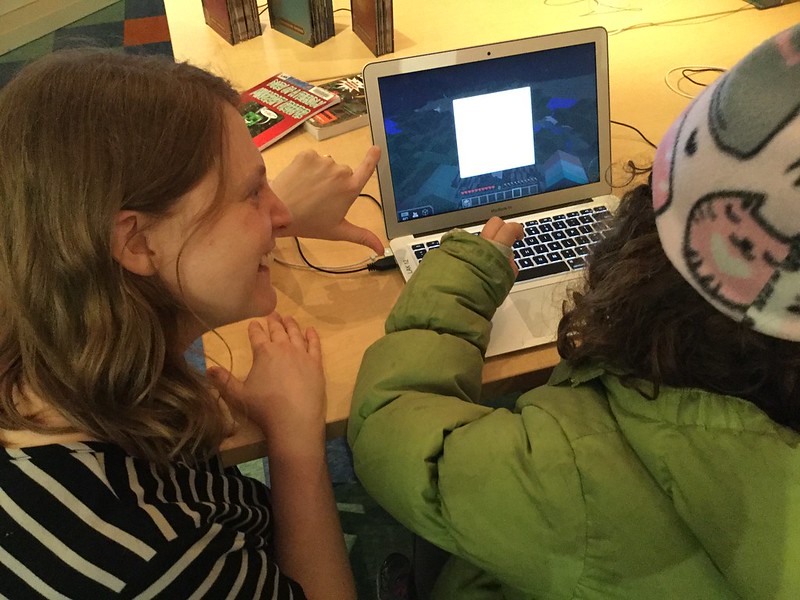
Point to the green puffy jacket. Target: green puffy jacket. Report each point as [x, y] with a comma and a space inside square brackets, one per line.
[585, 489]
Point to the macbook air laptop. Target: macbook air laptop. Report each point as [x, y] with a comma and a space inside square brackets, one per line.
[518, 129]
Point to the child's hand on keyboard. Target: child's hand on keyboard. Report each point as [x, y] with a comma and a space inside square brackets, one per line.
[505, 234]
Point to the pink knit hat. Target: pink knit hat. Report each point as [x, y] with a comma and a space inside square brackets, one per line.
[726, 190]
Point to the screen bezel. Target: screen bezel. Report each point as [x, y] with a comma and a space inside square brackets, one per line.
[374, 71]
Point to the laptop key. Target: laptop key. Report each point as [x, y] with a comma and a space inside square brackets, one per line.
[543, 271]
[420, 253]
[525, 263]
[601, 226]
[576, 263]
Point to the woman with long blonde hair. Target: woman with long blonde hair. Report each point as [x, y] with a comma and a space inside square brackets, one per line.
[136, 215]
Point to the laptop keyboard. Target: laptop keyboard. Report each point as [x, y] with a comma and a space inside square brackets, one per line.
[552, 245]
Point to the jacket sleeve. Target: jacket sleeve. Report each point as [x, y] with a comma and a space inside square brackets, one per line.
[446, 467]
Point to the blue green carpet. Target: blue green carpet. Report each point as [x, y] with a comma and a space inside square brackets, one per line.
[138, 26]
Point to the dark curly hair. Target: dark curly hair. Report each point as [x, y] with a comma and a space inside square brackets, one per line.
[639, 317]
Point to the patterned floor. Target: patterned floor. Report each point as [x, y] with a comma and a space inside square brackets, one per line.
[132, 25]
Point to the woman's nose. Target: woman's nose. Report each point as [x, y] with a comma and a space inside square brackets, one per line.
[279, 213]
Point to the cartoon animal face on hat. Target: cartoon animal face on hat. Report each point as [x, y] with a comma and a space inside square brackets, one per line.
[726, 190]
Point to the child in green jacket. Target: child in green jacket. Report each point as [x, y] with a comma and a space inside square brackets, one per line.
[661, 460]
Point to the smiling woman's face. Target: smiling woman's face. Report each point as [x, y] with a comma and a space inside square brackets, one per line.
[223, 272]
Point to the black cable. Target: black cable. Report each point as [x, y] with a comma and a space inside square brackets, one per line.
[695, 71]
[371, 197]
[384, 263]
[342, 9]
[636, 130]
[632, 169]
[263, 7]
[316, 268]
[635, 170]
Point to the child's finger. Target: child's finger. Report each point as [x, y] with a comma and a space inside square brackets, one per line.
[257, 334]
[509, 233]
[230, 388]
[294, 333]
[314, 345]
[491, 228]
[277, 330]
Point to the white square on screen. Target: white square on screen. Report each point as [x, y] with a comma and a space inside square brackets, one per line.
[494, 131]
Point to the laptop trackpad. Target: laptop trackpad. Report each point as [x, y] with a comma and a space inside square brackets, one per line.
[528, 317]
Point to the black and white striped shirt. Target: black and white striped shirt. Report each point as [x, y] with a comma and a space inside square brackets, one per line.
[88, 521]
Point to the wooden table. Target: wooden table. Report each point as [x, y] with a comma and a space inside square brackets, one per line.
[645, 42]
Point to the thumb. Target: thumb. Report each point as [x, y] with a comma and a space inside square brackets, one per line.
[230, 388]
[360, 235]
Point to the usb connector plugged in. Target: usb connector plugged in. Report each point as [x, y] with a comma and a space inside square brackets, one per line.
[387, 263]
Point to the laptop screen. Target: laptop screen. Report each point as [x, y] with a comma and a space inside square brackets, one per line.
[491, 130]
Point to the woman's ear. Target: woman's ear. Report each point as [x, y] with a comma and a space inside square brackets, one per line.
[129, 243]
